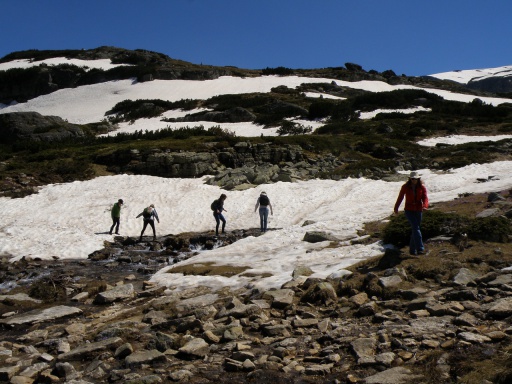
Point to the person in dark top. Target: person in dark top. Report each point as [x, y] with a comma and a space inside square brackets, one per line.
[149, 215]
[263, 203]
[416, 201]
[115, 213]
[218, 207]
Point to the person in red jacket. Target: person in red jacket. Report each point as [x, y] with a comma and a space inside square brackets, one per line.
[416, 200]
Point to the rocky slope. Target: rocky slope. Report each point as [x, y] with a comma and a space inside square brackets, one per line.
[440, 318]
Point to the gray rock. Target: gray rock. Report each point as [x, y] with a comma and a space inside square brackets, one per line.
[38, 316]
[281, 298]
[196, 348]
[66, 371]
[123, 351]
[364, 347]
[6, 373]
[302, 270]
[490, 212]
[180, 375]
[139, 358]
[318, 369]
[121, 292]
[502, 308]
[17, 299]
[322, 292]
[471, 337]
[465, 276]
[390, 281]
[318, 236]
[90, 349]
[397, 375]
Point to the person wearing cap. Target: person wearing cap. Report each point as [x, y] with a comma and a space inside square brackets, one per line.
[115, 213]
[263, 203]
[416, 201]
[149, 215]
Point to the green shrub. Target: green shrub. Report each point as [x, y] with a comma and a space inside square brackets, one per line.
[495, 229]
[320, 109]
[290, 128]
[281, 71]
[434, 223]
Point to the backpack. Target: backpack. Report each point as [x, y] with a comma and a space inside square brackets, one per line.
[146, 213]
[213, 205]
[264, 200]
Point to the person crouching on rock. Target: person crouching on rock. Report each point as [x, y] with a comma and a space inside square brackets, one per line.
[149, 215]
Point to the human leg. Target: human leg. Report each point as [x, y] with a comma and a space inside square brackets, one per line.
[221, 218]
[416, 243]
[217, 221]
[152, 223]
[115, 223]
[143, 228]
[263, 218]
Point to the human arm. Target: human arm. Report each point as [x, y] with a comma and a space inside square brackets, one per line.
[399, 199]
[257, 204]
[425, 197]
[271, 210]
[139, 215]
[156, 215]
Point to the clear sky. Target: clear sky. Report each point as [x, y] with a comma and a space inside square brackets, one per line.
[410, 37]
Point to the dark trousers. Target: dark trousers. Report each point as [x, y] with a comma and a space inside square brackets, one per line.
[150, 222]
[115, 223]
[218, 219]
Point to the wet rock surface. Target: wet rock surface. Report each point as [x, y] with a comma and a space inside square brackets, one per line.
[100, 320]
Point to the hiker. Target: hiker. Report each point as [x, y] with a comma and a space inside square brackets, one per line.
[263, 203]
[115, 213]
[416, 200]
[149, 214]
[217, 208]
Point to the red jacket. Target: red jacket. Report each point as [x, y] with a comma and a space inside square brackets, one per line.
[413, 201]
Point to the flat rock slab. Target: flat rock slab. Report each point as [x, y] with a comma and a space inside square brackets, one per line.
[17, 298]
[38, 316]
[91, 349]
[397, 375]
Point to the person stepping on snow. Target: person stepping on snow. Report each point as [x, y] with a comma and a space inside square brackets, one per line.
[115, 213]
[263, 203]
[217, 207]
[149, 215]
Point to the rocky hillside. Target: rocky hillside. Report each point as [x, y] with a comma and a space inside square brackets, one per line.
[37, 150]
[439, 318]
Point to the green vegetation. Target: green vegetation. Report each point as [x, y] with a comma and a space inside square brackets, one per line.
[363, 147]
[435, 223]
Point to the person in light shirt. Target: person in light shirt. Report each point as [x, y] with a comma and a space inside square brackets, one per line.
[149, 215]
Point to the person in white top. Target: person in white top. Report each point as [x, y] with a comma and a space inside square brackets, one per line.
[149, 215]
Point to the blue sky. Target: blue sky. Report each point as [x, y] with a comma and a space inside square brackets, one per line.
[410, 37]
